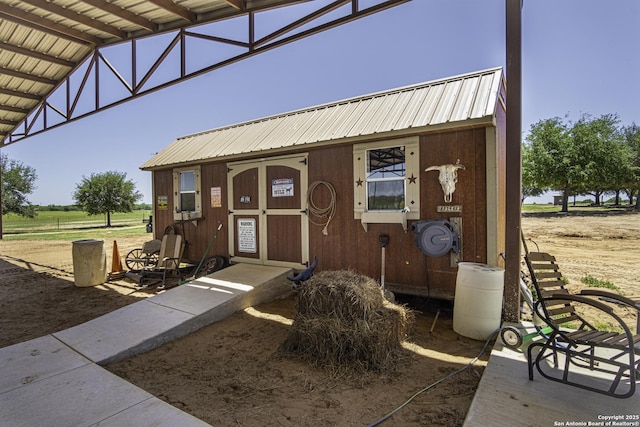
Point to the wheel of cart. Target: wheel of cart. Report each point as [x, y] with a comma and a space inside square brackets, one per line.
[147, 256]
[511, 337]
[210, 265]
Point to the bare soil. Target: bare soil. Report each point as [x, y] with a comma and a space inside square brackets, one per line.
[234, 373]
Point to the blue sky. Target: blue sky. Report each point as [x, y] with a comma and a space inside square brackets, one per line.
[579, 56]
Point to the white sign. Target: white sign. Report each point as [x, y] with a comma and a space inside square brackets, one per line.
[247, 235]
[282, 187]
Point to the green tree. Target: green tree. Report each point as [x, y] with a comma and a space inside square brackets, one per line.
[632, 142]
[106, 193]
[589, 156]
[18, 181]
[553, 158]
[530, 187]
[604, 159]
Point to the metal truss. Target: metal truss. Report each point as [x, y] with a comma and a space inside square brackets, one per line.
[83, 91]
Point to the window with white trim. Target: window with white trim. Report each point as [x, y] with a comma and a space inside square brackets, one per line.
[386, 170]
[187, 195]
[386, 181]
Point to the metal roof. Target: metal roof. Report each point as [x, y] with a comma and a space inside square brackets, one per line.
[462, 100]
[42, 42]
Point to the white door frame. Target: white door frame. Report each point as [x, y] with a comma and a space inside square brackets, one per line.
[298, 162]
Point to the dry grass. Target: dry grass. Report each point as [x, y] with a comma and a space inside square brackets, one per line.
[343, 320]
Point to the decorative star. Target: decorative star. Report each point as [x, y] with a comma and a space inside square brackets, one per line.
[359, 182]
[412, 179]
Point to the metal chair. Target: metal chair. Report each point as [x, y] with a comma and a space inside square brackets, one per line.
[168, 263]
[602, 361]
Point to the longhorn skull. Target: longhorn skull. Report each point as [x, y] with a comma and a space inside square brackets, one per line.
[448, 177]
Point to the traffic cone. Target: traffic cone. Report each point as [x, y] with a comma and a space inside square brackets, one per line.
[116, 264]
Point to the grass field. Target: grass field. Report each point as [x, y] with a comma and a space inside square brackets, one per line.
[64, 225]
[579, 206]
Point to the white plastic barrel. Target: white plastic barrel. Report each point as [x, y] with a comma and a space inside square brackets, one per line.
[89, 262]
[477, 308]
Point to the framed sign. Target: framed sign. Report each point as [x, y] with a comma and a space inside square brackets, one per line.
[162, 203]
[247, 241]
[282, 187]
[216, 197]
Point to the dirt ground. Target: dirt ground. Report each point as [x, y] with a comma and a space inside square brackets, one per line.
[234, 373]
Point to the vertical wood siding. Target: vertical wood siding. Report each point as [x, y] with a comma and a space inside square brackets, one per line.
[347, 245]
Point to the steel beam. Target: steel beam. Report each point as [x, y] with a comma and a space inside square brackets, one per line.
[511, 309]
[97, 66]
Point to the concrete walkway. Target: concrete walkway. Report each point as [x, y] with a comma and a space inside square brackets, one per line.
[505, 398]
[56, 380]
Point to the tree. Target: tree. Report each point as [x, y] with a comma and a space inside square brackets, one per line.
[551, 153]
[604, 157]
[632, 141]
[106, 193]
[530, 187]
[586, 157]
[18, 181]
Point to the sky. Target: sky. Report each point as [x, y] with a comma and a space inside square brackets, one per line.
[579, 57]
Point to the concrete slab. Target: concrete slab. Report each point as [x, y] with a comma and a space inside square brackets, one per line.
[239, 280]
[147, 324]
[195, 298]
[250, 274]
[84, 396]
[506, 397]
[36, 360]
[130, 330]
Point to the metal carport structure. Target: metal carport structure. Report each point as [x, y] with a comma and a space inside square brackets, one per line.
[54, 54]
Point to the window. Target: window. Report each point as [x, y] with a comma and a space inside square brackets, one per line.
[188, 191]
[386, 181]
[386, 169]
[187, 196]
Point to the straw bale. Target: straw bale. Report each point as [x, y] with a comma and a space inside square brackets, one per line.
[343, 319]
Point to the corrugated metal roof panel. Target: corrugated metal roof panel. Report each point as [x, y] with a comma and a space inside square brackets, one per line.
[341, 113]
[479, 108]
[412, 106]
[441, 102]
[442, 113]
[338, 114]
[345, 126]
[300, 136]
[385, 111]
[465, 99]
[310, 134]
[427, 105]
[396, 111]
[362, 125]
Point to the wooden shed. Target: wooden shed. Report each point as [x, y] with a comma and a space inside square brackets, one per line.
[339, 181]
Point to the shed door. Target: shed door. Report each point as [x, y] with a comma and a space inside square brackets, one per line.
[267, 217]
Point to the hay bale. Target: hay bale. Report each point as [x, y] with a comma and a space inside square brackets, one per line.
[343, 319]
